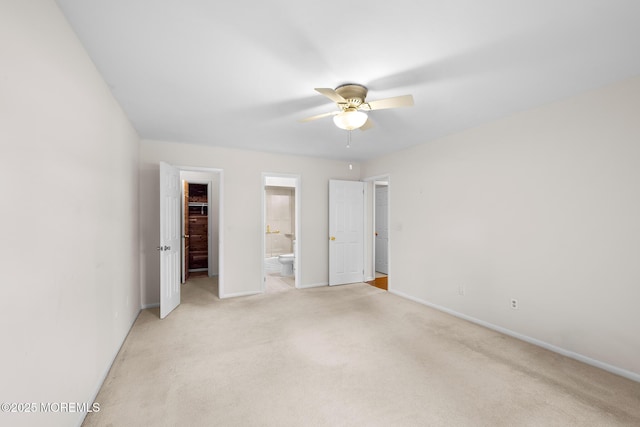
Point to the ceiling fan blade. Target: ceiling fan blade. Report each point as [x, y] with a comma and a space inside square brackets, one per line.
[367, 125]
[331, 94]
[394, 102]
[319, 116]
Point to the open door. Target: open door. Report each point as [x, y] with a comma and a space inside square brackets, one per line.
[346, 232]
[169, 239]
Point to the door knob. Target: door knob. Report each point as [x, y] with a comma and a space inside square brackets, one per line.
[332, 238]
[167, 248]
[185, 236]
[159, 248]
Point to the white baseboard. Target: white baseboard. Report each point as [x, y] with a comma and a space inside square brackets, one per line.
[313, 285]
[240, 294]
[106, 371]
[154, 305]
[576, 356]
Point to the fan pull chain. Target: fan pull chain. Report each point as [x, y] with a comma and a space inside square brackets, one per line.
[349, 139]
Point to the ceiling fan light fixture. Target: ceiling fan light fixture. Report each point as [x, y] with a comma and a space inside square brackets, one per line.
[350, 119]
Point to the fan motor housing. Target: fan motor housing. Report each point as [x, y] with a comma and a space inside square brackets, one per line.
[355, 94]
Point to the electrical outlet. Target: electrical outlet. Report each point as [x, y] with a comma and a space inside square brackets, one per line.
[514, 303]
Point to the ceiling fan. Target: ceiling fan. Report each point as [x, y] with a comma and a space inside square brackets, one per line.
[352, 105]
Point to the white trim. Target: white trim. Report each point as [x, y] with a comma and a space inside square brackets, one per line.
[220, 235]
[570, 354]
[314, 285]
[241, 294]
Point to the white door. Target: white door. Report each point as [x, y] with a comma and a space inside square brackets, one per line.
[382, 229]
[346, 232]
[169, 238]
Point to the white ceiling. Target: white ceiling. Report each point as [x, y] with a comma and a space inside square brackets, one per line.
[241, 73]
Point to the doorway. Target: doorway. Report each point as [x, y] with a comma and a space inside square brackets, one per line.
[195, 229]
[281, 232]
[380, 208]
[200, 224]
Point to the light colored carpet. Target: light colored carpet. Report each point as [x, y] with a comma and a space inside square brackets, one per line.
[350, 355]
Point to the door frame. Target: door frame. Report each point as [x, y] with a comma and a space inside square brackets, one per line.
[220, 172]
[370, 250]
[298, 197]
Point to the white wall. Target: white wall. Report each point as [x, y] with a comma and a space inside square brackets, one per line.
[69, 217]
[241, 209]
[542, 206]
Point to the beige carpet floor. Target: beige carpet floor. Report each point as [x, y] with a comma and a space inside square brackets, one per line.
[350, 355]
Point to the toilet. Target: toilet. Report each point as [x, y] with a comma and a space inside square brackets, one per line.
[287, 262]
